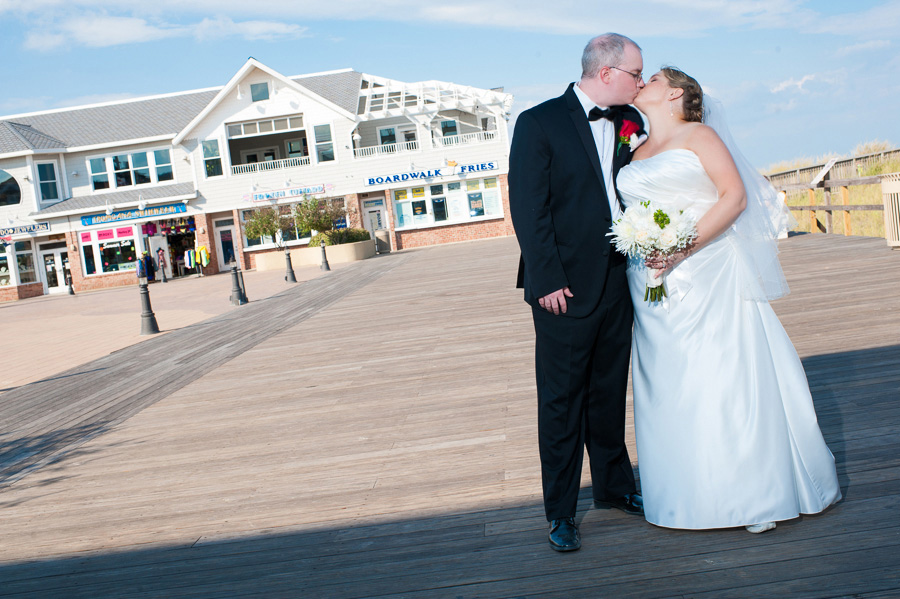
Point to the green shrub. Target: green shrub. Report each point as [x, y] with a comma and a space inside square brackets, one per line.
[339, 236]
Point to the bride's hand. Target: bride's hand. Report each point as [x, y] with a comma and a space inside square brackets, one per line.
[665, 262]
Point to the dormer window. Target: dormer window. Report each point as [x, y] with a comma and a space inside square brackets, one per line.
[259, 91]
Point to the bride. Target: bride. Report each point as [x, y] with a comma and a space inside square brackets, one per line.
[726, 430]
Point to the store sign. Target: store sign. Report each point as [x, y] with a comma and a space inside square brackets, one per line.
[280, 194]
[35, 228]
[164, 210]
[462, 169]
[372, 203]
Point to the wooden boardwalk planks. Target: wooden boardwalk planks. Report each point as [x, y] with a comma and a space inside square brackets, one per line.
[384, 446]
[41, 421]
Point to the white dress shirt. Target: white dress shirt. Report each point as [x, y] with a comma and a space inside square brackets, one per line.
[604, 138]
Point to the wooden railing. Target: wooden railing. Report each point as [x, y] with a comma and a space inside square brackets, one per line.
[370, 151]
[269, 165]
[829, 208]
[465, 138]
[840, 169]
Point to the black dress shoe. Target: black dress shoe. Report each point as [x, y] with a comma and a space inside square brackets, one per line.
[630, 504]
[564, 535]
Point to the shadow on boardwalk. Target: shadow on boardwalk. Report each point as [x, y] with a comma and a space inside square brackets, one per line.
[852, 550]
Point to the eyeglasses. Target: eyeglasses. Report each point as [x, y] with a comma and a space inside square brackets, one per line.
[637, 76]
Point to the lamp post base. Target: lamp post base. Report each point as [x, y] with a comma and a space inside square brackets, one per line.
[148, 318]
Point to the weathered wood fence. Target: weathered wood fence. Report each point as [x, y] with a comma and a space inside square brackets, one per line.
[830, 186]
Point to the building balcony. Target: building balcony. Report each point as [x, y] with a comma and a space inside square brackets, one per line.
[269, 165]
[386, 149]
[466, 139]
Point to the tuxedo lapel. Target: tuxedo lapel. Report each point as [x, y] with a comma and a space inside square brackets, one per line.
[576, 112]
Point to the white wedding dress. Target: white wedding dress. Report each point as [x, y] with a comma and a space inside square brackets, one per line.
[726, 430]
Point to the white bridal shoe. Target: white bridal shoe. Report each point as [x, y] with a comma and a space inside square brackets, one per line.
[758, 528]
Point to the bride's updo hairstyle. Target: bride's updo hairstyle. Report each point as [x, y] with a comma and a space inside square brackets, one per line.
[692, 100]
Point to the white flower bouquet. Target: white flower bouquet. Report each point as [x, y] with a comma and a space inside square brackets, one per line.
[644, 230]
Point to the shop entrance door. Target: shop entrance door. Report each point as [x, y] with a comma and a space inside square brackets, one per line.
[160, 242]
[55, 261]
[226, 246]
[374, 221]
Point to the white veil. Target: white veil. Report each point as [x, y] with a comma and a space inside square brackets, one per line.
[757, 229]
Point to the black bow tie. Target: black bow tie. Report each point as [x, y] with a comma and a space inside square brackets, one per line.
[598, 113]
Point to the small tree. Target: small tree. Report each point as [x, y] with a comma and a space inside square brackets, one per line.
[267, 222]
[318, 215]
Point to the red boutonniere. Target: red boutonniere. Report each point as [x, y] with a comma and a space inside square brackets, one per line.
[628, 136]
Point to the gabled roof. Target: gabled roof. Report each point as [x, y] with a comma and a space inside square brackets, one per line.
[251, 64]
[340, 87]
[149, 117]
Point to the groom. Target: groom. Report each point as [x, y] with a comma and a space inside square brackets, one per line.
[564, 158]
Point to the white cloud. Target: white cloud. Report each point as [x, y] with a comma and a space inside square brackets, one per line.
[101, 31]
[639, 18]
[798, 83]
[220, 27]
[863, 47]
[833, 79]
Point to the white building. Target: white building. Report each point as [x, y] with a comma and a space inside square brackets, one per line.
[85, 190]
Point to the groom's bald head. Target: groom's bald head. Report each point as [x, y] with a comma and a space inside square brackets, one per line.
[606, 50]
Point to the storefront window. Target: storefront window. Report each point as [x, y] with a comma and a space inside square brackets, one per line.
[112, 249]
[440, 208]
[118, 255]
[439, 204]
[89, 267]
[5, 276]
[25, 262]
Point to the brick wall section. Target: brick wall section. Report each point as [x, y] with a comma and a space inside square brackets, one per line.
[10, 293]
[503, 182]
[75, 260]
[205, 236]
[354, 210]
[120, 279]
[451, 233]
[245, 260]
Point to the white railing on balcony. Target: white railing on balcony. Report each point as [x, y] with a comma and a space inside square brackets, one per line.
[268, 165]
[467, 138]
[371, 151]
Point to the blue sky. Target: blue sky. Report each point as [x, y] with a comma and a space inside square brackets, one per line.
[798, 78]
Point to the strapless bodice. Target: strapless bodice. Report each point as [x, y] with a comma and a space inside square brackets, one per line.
[672, 180]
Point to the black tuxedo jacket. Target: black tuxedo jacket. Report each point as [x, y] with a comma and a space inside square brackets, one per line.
[558, 201]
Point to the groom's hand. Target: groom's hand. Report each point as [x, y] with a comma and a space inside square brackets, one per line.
[556, 301]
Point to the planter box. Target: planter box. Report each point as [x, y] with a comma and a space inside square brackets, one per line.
[312, 256]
